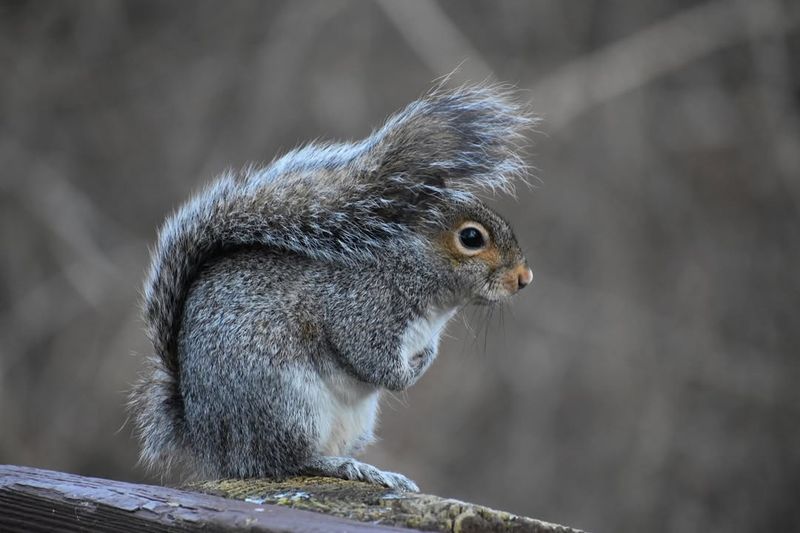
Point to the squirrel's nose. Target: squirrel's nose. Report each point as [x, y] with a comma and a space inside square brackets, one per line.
[524, 276]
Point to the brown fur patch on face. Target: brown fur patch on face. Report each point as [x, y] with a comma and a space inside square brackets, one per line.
[490, 256]
[511, 281]
[449, 248]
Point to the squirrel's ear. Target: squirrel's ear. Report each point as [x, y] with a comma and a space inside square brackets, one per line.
[456, 141]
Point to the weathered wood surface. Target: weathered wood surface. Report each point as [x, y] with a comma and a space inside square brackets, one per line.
[33, 500]
[373, 503]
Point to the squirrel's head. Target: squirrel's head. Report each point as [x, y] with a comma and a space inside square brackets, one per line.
[485, 259]
[430, 163]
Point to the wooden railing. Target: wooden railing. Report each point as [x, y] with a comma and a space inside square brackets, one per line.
[34, 500]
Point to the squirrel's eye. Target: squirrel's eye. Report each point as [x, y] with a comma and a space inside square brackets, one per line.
[471, 238]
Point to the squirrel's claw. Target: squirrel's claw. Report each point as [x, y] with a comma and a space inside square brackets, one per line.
[349, 468]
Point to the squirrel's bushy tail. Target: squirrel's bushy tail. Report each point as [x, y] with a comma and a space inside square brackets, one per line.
[335, 202]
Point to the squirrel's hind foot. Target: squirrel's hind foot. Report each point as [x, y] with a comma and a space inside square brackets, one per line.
[349, 468]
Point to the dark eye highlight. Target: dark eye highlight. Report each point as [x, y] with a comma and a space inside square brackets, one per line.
[471, 238]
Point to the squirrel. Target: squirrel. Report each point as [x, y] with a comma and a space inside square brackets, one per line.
[281, 301]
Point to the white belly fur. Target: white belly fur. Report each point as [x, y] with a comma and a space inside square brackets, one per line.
[349, 408]
[424, 332]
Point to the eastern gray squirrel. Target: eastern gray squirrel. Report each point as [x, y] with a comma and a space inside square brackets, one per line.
[282, 300]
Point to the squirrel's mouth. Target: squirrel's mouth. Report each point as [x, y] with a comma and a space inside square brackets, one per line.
[493, 297]
[501, 288]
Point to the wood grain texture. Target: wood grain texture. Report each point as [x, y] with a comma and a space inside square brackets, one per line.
[33, 500]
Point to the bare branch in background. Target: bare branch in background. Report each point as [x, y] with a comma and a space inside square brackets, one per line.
[599, 76]
[773, 64]
[433, 36]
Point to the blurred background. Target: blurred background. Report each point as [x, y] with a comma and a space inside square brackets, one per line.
[647, 381]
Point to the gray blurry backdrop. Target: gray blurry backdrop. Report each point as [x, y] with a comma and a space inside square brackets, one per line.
[647, 381]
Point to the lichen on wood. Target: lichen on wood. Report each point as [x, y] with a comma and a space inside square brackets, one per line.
[372, 503]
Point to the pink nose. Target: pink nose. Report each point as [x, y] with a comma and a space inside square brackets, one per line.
[524, 277]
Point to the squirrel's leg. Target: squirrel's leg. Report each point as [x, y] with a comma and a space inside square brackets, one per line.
[349, 468]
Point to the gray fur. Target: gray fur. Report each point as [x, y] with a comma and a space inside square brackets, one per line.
[278, 289]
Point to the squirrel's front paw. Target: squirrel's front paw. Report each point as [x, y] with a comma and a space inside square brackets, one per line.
[393, 480]
[348, 468]
[421, 360]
